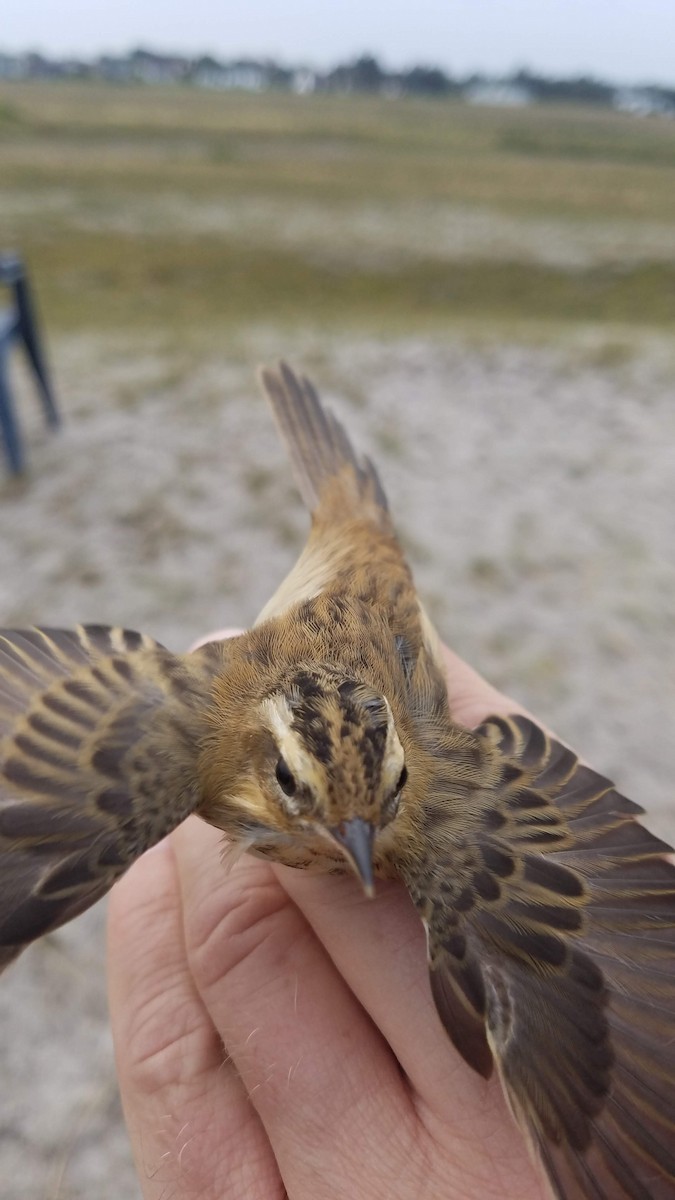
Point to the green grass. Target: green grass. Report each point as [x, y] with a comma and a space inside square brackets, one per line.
[163, 282]
[165, 208]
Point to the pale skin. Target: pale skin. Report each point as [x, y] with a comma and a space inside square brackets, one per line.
[276, 1037]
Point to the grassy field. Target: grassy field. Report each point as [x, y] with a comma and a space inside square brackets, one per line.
[146, 209]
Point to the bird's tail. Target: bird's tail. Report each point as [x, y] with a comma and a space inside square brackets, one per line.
[327, 469]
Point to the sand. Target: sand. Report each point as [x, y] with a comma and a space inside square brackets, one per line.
[534, 486]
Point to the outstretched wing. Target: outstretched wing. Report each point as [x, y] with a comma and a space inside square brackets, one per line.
[558, 962]
[99, 736]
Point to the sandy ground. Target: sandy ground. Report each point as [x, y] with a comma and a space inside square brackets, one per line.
[535, 490]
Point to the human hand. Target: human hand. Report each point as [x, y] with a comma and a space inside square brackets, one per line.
[275, 1033]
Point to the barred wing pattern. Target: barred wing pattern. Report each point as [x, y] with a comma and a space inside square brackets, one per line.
[559, 965]
[99, 736]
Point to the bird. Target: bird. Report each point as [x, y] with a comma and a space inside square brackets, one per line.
[322, 738]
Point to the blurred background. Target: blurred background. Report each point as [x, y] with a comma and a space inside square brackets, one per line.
[461, 222]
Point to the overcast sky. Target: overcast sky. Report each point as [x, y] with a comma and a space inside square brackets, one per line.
[630, 40]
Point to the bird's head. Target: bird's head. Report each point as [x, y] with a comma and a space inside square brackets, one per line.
[324, 773]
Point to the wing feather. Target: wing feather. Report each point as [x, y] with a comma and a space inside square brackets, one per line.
[574, 943]
[99, 735]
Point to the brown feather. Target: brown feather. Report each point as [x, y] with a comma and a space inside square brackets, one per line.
[575, 948]
[99, 732]
[321, 454]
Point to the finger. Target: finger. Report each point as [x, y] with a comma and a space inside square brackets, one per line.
[192, 1129]
[471, 697]
[379, 949]
[323, 1080]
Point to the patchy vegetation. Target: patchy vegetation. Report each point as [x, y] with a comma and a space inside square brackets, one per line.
[165, 207]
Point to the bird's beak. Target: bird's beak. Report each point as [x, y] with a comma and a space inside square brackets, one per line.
[355, 838]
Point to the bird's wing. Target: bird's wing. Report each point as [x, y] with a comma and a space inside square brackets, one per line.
[99, 736]
[558, 962]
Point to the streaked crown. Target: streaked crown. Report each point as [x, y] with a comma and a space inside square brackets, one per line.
[337, 739]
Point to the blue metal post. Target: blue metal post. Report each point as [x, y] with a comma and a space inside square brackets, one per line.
[18, 324]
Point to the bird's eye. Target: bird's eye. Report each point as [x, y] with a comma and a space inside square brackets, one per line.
[402, 779]
[285, 778]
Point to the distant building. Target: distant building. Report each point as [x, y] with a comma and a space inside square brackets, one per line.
[113, 69]
[304, 81]
[38, 67]
[644, 102]
[497, 92]
[147, 67]
[13, 66]
[74, 68]
[245, 75]
[207, 72]
[363, 75]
